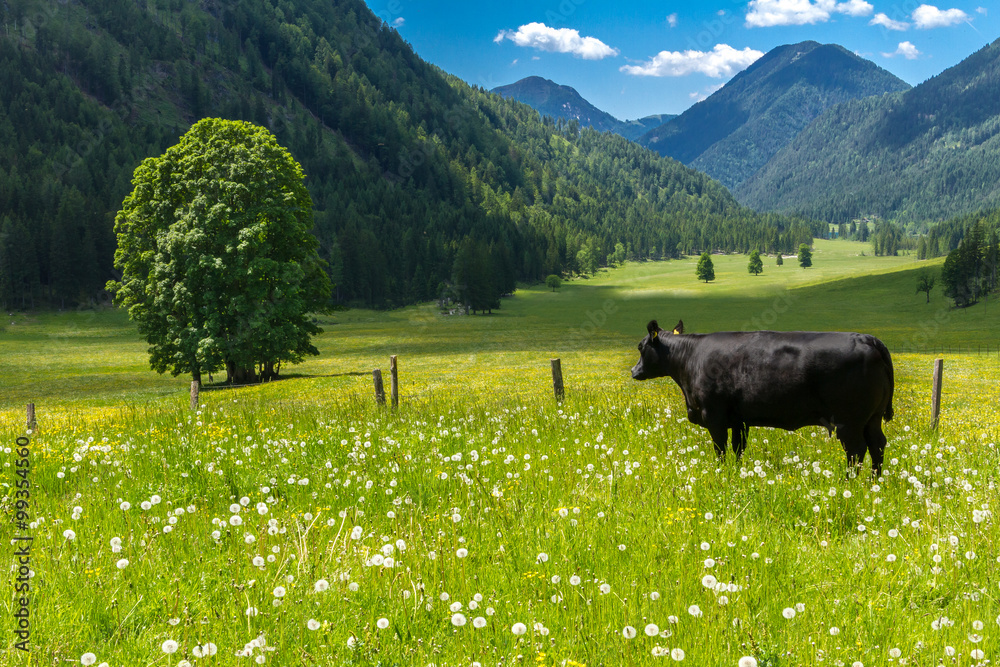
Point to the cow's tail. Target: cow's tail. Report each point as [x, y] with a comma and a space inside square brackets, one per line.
[887, 358]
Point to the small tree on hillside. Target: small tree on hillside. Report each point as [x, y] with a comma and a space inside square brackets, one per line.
[588, 257]
[755, 266]
[925, 283]
[553, 281]
[780, 260]
[705, 270]
[618, 256]
[805, 256]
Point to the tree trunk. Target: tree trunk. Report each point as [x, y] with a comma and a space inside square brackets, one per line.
[196, 375]
[238, 375]
[269, 371]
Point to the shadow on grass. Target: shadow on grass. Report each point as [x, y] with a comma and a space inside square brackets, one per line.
[216, 386]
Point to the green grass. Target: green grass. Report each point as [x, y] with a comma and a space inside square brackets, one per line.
[612, 486]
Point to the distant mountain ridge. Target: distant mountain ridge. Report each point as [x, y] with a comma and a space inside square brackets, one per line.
[552, 99]
[929, 153]
[735, 131]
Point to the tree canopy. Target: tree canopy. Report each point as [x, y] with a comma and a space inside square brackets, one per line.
[219, 268]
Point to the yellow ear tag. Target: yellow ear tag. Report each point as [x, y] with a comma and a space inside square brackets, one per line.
[676, 332]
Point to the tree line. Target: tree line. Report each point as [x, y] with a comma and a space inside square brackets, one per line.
[970, 271]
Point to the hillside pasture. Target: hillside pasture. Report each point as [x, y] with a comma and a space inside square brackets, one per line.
[482, 522]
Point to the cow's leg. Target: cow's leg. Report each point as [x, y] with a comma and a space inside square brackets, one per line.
[741, 431]
[853, 440]
[719, 435]
[875, 440]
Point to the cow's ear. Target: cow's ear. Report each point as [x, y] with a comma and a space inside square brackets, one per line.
[653, 328]
[679, 329]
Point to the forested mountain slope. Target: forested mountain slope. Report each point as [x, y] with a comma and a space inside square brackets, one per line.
[930, 153]
[551, 99]
[738, 128]
[408, 168]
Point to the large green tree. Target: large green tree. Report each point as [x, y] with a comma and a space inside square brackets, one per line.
[219, 268]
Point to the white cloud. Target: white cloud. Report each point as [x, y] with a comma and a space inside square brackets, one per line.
[557, 40]
[672, 20]
[854, 8]
[981, 10]
[905, 49]
[767, 13]
[928, 16]
[398, 22]
[886, 22]
[721, 61]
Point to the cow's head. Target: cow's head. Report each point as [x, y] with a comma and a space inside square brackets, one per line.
[654, 352]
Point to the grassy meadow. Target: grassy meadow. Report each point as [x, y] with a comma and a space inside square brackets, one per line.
[482, 523]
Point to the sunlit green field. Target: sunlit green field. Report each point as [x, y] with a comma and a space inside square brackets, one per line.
[481, 522]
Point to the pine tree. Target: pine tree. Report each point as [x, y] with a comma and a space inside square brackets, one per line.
[805, 256]
[705, 270]
[755, 266]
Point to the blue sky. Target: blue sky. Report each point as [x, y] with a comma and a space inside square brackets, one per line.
[633, 59]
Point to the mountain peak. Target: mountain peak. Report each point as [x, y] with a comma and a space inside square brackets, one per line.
[735, 131]
[559, 101]
[930, 152]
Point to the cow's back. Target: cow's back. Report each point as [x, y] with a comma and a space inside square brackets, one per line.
[792, 379]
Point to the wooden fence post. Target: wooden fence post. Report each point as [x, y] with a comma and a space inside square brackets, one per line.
[31, 423]
[379, 389]
[393, 381]
[936, 392]
[557, 380]
[195, 388]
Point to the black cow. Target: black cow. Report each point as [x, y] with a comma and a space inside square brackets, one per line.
[735, 380]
